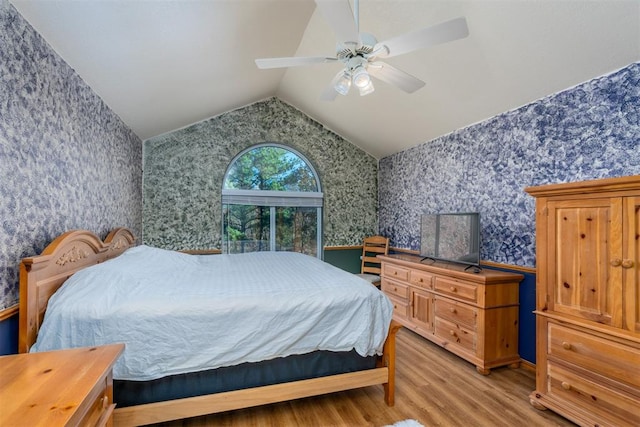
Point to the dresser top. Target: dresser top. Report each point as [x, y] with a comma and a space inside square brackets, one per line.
[450, 269]
[47, 388]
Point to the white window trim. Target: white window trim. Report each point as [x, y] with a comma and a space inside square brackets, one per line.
[272, 198]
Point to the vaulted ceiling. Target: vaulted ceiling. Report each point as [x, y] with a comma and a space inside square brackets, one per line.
[162, 65]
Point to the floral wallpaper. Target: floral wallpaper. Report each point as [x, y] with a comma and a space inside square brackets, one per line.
[184, 170]
[586, 132]
[67, 161]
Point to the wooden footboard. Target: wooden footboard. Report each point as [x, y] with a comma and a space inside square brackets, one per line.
[157, 412]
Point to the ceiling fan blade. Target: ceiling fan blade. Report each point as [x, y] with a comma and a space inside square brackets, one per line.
[440, 33]
[294, 61]
[340, 17]
[395, 77]
[329, 93]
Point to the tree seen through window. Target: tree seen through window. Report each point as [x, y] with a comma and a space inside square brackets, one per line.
[271, 201]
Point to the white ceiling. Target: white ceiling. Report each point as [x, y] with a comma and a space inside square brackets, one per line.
[162, 65]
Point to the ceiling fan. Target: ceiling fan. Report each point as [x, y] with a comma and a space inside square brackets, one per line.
[360, 52]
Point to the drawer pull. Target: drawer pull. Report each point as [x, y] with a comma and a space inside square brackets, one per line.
[566, 345]
[104, 401]
[453, 310]
[395, 273]
[566, 385]
[421, 281]
[453, 289]
[453, 333]
[616, 262]
[627, 263]
[395, 288]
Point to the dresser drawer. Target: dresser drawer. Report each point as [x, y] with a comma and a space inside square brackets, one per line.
[396, 289]
[395, 272]
[456, 289]
[421, 279]
[456, 334]
[596, 354]
[605, 406]
[456, 312]
[400, 307]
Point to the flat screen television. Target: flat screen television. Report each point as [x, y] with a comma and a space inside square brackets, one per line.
[453, 237]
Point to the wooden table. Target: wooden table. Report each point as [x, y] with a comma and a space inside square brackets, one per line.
[58, 388]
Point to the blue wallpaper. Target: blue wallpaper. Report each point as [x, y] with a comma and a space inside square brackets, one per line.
[586, 132]
[67, 161]
[184, 170]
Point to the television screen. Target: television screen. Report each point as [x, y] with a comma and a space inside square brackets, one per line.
[451, 237]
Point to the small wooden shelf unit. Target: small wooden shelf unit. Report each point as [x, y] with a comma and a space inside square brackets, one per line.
[473, 315]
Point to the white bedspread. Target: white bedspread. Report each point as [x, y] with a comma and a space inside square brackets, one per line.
[180, 313]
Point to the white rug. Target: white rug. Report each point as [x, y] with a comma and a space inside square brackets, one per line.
[406, 423]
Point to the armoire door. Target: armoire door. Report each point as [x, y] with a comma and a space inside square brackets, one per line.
[584, 259]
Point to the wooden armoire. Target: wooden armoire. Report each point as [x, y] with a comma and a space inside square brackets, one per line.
[588, 301]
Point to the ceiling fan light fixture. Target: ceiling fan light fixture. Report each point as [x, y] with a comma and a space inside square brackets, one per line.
[343, 84]
[367, 89]
[361, 78]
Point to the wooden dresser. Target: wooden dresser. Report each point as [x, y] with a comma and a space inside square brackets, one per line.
[474, 315]
[588, 301]
[58, 388]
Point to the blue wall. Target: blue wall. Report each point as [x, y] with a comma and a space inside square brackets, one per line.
[9, 335]
[68, 161]
[586, 132]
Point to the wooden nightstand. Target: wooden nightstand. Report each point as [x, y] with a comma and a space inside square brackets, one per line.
[58, 388]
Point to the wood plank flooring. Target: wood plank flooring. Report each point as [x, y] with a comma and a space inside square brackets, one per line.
[433, 386]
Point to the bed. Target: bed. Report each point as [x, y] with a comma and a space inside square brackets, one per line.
[151, 397]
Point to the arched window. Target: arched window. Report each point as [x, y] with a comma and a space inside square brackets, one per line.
[271, 201]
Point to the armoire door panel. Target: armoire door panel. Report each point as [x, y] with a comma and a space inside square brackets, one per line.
[584, 277]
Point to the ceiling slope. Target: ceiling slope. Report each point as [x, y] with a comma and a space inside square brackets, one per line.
[162, 65]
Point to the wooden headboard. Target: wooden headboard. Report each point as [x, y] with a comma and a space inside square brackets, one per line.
[42, 275]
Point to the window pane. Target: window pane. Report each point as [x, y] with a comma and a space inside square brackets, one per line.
[270, 168]
[297, 230]
[245, 228]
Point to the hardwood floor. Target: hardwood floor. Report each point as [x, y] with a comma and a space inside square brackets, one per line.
[433, 386]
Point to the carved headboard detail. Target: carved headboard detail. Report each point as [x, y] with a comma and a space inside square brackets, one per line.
[42, 275]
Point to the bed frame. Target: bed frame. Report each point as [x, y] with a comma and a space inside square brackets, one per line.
[42, 275]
